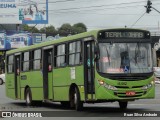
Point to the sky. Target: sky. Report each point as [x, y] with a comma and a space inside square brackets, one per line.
[97, 14]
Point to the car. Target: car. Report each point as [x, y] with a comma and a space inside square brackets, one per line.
[2, 79]
[157, 72]
[157, 81]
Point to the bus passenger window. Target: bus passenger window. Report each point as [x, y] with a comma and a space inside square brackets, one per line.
[60, 56]
[25, 61]
[10, 66]
[37, 60]
[75, 53]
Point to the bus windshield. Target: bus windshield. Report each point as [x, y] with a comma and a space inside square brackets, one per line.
[122, 58]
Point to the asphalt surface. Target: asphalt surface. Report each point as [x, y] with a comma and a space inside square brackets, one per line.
[139, 109]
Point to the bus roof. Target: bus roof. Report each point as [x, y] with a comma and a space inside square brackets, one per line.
[48, 43]
[65, 39]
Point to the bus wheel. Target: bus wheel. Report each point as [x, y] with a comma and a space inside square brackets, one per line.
[78, 104]
[1, 81]
[28, 97]
[123, 105]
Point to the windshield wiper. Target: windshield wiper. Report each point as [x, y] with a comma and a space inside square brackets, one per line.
[128, 59]
[108, 55]
[137, 53]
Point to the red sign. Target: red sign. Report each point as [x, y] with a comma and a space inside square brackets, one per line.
[130, 93]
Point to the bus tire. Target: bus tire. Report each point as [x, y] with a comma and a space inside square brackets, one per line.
[1, 81]
[28, 97]
[123, 105]
[76, 101]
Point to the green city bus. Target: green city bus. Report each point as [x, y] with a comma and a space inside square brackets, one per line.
[106, 65]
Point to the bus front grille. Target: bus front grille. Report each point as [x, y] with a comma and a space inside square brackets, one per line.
[128, 87]
[128, 78]
[121, 86]
[123, 94]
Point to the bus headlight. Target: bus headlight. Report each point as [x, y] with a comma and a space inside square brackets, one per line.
[109, 87]
[147, 86]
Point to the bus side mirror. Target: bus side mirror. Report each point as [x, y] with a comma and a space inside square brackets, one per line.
[154, 57]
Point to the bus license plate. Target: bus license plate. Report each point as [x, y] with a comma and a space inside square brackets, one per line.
[130, 93]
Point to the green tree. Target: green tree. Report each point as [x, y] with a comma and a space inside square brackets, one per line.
[43, 30]
[49, 29]
[26, 27]
[65, 29]
[79, 28]
[32, 29]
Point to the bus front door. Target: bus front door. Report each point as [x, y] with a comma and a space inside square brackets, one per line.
[17, 76]
[47, 74]
[89, 70]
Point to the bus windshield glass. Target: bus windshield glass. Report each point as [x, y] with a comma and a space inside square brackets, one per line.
[122, 58]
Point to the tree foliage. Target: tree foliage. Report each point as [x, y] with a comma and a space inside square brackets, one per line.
[64, 30]
[79, 28]
[49, 29]
[32, 29]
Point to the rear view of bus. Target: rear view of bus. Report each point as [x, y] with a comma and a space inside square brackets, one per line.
[124, 66]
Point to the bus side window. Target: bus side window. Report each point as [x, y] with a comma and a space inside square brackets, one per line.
[60, 56]
[75, 53]
[10, 66]
[25, 61]
[37, 63]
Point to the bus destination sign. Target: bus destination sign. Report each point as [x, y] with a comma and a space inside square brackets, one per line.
[124, 35]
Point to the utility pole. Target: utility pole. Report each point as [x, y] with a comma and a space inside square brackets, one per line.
[148, 7]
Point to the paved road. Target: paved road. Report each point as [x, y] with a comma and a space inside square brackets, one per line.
[98, 111]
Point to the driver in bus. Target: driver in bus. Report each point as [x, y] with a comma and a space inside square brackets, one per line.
[125, 61]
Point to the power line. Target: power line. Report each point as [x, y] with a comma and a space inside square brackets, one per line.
[62, 1]
[65, 10]
[86, 8]
[59, 10]
[113, 14]
[94, 9]
[97, 6]
[138, 19]
[23, 4]
[65, 1]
